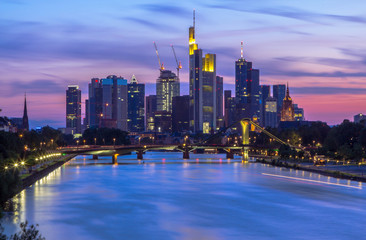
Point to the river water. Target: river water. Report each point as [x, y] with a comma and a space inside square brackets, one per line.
[206, 197]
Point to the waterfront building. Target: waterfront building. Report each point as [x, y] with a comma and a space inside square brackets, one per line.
[298, 113]
[202, 87]
[73, 109]
[270, 118]
[287, 112]
[247, 89]
[151, 108]
[136, 106]
[167, 87]
[180, 116]
[264, 93]
[219, 102]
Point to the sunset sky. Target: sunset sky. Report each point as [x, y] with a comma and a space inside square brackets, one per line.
[318, 47]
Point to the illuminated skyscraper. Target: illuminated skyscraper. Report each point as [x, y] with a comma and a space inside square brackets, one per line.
[73, 109]
[136, 106]
[167, 87]
[247, 88]
[270, 112]
[287, 112]
[202, 87]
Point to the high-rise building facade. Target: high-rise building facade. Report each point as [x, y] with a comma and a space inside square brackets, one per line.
[202, 87]
[247, 89]
[219, 102]
[287, 112]
[167, 87]
[298, 113]
[136, 106]
[270, 112]
[151, 108]
[180, 116]
[94, 104]
[264, 93]
[108, 103]
[73, 109]
[279, 92]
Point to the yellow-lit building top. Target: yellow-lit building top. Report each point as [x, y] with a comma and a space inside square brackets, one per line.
[209, 63]
[192, 41]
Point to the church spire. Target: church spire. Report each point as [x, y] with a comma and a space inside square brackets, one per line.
[287, 91]
[25, 114]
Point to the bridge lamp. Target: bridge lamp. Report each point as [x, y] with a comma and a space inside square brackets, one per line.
[114, 141]
[95, 141]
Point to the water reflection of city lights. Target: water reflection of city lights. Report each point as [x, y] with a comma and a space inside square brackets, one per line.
[314, 181]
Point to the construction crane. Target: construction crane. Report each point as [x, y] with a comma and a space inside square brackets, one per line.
[179, 65]
[161, 65]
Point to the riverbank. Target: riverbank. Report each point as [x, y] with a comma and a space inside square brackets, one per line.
[38, 174]
[349, 172]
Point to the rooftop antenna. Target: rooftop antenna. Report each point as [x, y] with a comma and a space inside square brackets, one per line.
[194, 18]
[241, 50]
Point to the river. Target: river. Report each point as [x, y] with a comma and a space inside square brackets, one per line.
[206, 197]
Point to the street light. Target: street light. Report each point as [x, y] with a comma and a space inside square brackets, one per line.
[114, 142]
[95, 141]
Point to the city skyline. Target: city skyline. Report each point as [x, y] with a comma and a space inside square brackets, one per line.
[319, 52]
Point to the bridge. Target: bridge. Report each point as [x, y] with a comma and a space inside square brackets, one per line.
[115, 151]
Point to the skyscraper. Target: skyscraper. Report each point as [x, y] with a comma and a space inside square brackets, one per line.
[25, 121]
[270, 119]
[94, 104]
[73, 109]
[180, 118]
[202, 87]
[151, 108]
[287, 112]
[219, 102]
[136, 106]
[247, 88]
[107, 103]
[167, 87]
[264, 93]
[279, 92]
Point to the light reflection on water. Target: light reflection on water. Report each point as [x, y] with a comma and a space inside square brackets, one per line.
[205, 197]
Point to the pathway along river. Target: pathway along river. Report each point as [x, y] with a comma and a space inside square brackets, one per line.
[165, 197]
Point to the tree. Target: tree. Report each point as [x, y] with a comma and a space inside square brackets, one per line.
[25, 233]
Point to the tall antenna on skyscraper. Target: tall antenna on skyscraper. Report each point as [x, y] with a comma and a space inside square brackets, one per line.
[241, 50]
[194, 18]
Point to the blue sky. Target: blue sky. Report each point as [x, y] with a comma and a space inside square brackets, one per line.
[316, 46]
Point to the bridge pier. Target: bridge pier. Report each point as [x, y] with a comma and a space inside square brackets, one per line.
[114, 159]
[229, 154]
[245, 154]
[95, 157]
[186, 154]
[139, 154]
